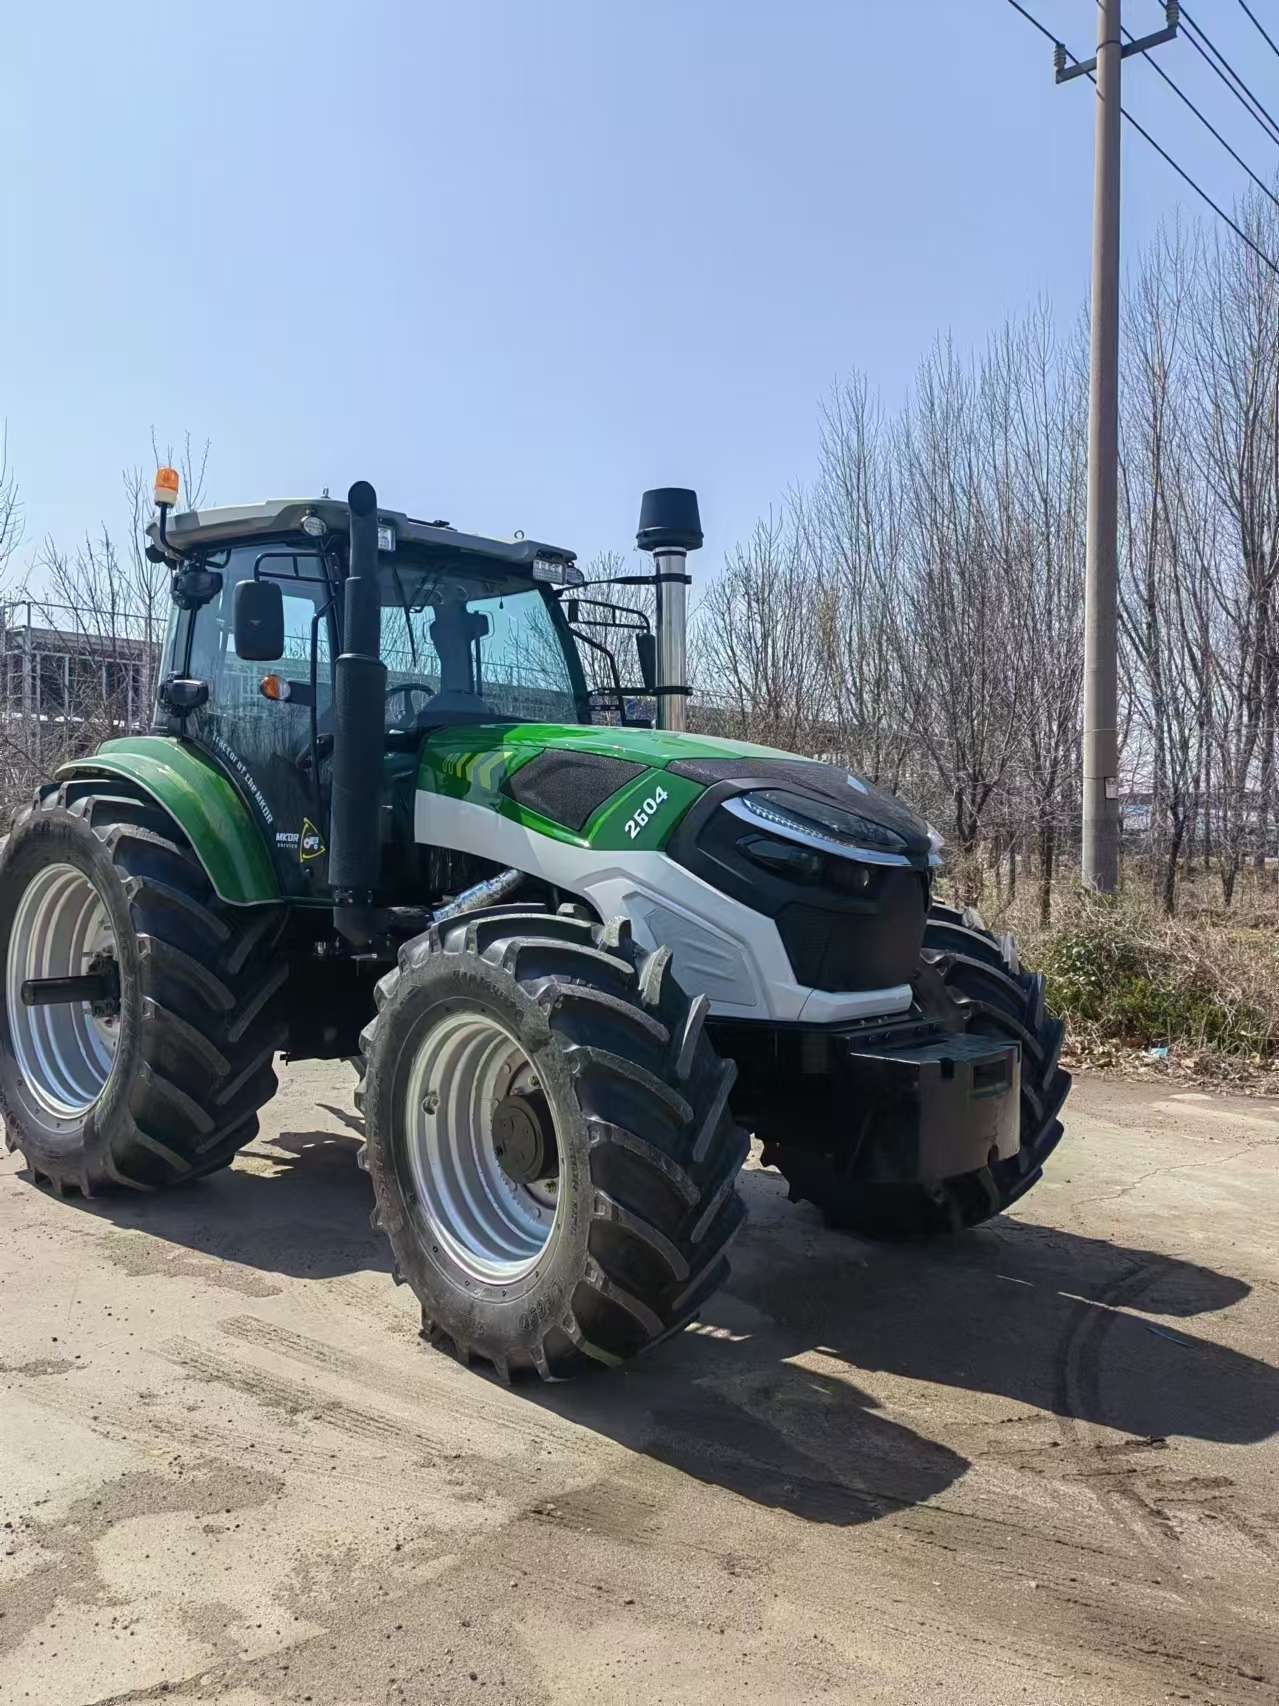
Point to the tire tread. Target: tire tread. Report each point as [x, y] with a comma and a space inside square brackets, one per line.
[663, 1152]
[209, 1003]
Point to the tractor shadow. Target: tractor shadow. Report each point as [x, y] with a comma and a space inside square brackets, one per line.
[768, 1395]
[296, 1205]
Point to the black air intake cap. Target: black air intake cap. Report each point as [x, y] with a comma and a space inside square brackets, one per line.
[669, 519]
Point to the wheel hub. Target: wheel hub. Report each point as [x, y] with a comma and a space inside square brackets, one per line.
[524, 1137]
[62, 929]
[482, 1152]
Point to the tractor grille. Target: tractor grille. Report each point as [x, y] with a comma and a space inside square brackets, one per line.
[847, 924]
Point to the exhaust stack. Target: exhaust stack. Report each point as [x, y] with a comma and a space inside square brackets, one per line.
[670, 527]
[359, 693]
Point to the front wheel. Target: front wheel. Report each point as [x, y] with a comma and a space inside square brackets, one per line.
[981, 981]
[549, 1141]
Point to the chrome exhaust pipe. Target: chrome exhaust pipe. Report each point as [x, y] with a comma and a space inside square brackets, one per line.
[669, 528]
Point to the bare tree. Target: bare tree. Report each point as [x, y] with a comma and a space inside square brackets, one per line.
[966, 686]
[1037, 393]
[83, 639]
[1169, 544]
[853, 525]
[757, 645]
[10, 504]
[1235, 350]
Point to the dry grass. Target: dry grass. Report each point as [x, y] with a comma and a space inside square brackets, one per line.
[1194, 997]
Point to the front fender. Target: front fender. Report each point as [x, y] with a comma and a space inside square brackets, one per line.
[200, 799]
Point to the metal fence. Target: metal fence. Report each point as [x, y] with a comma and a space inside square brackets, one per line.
[69, 679]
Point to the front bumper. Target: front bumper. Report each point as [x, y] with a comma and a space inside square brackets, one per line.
[931, 1110]
[894, 1101]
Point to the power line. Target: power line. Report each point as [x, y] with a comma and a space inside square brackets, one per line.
[1204, 46]
[1047, 34]
[1252, 103]
[1161, 151]
[1203, 194]
[1248, 9]
[1208, 125]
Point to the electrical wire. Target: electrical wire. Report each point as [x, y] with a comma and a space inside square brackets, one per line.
[1161, 151]
[1204, 47]
[1208, 125]
[1256, 20]
[1047, 34]
[1221, 213]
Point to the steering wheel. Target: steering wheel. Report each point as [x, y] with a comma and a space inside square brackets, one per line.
[408, 691]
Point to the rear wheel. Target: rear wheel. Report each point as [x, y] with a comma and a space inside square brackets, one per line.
[549, 1140]
[980, 978]
[160, 1076]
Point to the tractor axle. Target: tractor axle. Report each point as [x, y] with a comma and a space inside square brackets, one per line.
[94, 987]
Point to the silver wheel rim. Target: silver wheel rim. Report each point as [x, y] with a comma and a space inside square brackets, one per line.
[493, 1224]
[64, 1053]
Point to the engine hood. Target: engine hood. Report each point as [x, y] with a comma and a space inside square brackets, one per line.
[592, 785]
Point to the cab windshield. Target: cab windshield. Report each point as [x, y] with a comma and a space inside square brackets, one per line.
[455, 651]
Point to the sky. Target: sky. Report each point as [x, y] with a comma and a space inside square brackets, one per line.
[516, 260]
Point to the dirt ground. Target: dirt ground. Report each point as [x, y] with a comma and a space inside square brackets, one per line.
[1038, 1464]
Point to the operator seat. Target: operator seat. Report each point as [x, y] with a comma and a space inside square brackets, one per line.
[453, 634]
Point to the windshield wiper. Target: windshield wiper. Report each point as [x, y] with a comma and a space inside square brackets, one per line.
[408, 614]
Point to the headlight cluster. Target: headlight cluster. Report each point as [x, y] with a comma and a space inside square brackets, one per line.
[812, 819]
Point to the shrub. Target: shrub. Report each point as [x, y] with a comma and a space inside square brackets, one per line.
[1124, 975]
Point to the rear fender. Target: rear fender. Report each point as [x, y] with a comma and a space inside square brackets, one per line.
[201, 800]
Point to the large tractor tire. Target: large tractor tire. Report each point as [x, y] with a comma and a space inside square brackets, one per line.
[160, 1081]
[549, 1141]
[980, 980]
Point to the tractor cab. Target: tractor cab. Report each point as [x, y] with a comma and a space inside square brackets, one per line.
[468, 630]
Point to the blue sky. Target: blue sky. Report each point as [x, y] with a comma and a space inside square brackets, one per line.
[514, 262]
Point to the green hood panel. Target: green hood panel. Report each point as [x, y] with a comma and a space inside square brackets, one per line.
[202, 802]
[471, 762]
[654, 747]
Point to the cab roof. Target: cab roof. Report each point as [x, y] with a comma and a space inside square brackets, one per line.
[206, 529]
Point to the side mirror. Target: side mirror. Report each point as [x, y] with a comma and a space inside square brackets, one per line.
[571, 610]
[182, 694]
[646, 649]
[257, 621]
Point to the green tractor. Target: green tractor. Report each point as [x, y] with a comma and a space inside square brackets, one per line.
[383, 813]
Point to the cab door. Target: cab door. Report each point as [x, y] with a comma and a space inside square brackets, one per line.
[258, 718]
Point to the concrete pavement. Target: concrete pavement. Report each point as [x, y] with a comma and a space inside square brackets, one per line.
[1039, 1463]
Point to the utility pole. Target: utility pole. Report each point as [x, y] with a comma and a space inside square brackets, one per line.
[1101, 578]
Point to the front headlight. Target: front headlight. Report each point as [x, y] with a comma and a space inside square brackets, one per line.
[809, 817]
[819, 823]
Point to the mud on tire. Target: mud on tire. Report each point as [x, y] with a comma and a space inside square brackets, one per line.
[648, 1151]
[200, 1013]
[981, 975]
